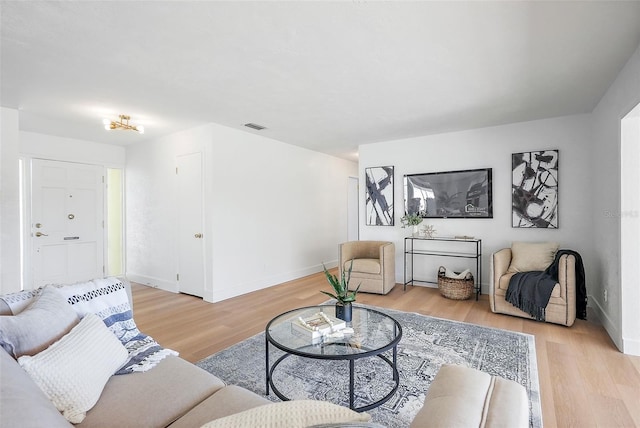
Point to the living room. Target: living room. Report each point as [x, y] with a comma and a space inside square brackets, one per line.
[274, 212]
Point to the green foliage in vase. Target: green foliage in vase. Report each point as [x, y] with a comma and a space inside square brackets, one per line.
[411, 220]
[341, 286]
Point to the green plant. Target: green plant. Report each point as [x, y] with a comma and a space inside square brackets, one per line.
[341, 286]
[411, 220]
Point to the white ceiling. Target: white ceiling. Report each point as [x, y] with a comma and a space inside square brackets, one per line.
[328, 76]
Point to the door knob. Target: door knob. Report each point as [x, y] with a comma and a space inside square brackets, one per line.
[39, 234]
[198, 235]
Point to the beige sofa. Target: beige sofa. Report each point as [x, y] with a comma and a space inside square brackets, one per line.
[374, 265]
[175, 393]
[178, 394]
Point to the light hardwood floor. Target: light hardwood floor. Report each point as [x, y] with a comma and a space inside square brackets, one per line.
[584, 380]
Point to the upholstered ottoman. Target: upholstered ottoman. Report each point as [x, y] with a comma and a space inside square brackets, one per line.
[464, 397]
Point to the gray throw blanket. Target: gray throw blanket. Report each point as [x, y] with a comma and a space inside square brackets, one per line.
[530, 292]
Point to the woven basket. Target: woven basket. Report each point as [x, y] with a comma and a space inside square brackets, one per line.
[456, 289]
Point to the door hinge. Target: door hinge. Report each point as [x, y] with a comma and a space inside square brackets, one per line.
[177, 277]
[176, 170]
[103, 179]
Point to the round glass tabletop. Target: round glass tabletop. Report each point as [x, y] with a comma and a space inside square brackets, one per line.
[373, 333]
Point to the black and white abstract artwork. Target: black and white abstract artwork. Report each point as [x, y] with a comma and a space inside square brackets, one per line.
[379, 196]
[535, 189]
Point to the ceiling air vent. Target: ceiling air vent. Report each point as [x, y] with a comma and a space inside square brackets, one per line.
[255, 126]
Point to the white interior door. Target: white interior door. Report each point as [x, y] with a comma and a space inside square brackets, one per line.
[67, 222]
[190, 225]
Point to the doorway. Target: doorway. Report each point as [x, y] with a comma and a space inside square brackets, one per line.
[630, 230]
[115, 221]
[67, 220]
[190, 239]
[353, 212]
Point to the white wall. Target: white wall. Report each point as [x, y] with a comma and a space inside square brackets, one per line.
[620, 313]
[274, 212]
[71, 150]
[492, 148]
[281, 211]
[10, 202]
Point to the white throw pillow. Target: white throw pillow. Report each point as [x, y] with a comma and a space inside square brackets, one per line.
[290, 414]
[74, 370]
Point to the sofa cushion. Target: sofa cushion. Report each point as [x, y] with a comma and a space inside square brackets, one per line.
[227, 401]
[290, 414]
[364, 266]
[22, 403]
[43, 322]
[156, 397]
[532, 256]
[73, 371]
[509, 404]
[461, 397]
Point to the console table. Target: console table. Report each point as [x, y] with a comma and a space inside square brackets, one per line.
[418, 246]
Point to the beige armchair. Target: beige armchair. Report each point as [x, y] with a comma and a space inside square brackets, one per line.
[562, 304]
[374, 265]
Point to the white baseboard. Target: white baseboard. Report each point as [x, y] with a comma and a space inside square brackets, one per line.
[606, 322]
[631, 346]
[266, 282]
[153, 282]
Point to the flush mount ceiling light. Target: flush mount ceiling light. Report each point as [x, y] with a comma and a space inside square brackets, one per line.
[122, 124]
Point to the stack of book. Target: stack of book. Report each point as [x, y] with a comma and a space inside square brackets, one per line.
[318, 325]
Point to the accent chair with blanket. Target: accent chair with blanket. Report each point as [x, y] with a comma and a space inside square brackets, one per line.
[536, 280]
[374, 265]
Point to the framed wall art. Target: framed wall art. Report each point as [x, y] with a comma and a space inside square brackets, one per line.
[535, 189]
[450, 194]
[379, 196]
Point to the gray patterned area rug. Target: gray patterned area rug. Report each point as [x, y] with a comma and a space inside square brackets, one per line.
[427, 343]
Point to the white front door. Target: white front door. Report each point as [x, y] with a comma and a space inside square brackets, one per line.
[190, 225]
[67, 216]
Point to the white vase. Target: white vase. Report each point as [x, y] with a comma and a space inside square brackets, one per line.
[415, 230]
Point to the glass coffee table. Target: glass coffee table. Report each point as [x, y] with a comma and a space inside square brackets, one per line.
[374, 333]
